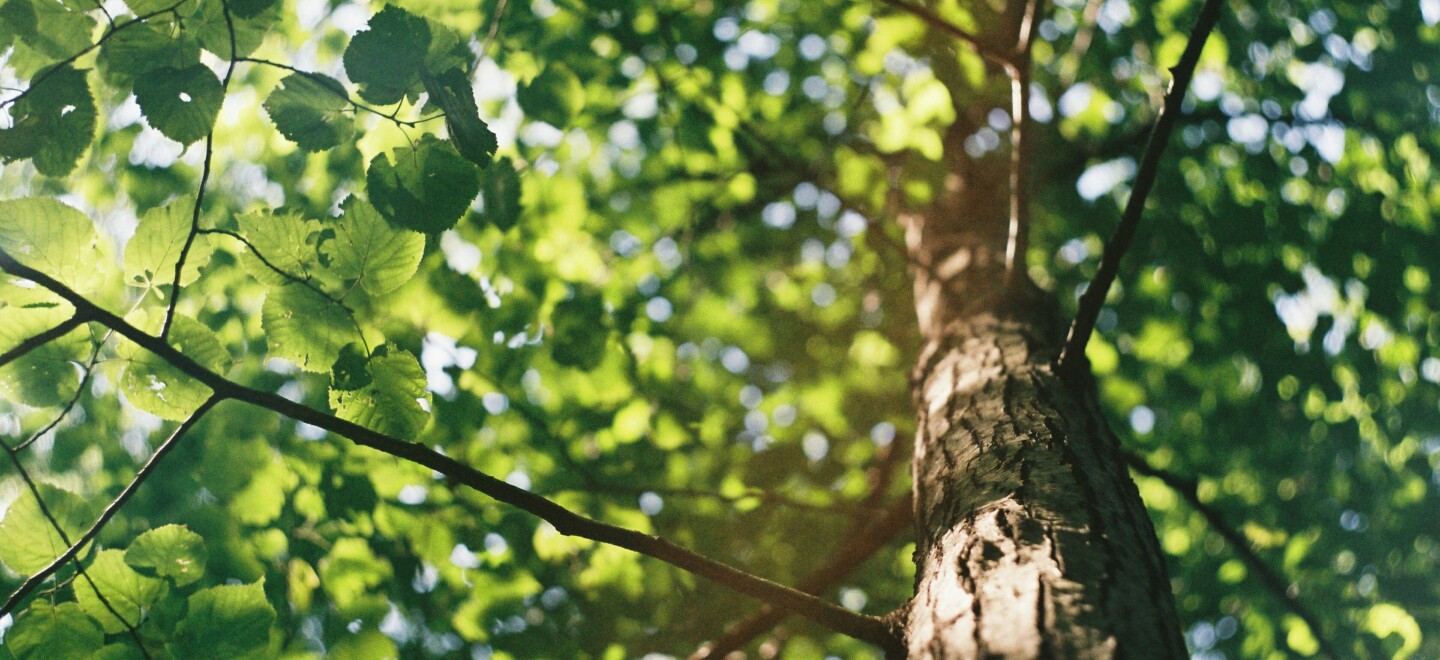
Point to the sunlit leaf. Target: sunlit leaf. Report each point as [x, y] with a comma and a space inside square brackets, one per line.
[305, 327]
[128, 593]
[153, 251]
[28, 540]
[171, 551]
[426, 189]
[229, 621]
[53, 631]
[394, 401]
[366, 248]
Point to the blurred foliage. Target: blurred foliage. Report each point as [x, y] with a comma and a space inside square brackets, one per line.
[678, 282]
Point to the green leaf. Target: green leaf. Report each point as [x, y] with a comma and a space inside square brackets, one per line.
[309, 110]
[472, 137]
[555, 96]
[580, 331]
[350, 570]
[446, 50]
[170, 551]
[385, 60]
[428, 188]
[154, 385]
[144, 7]
[285, 241]
[53, 238]
[46, 376]
[249, 8]
[28, 541]
[129, 593]
[180, 103]
[47, 631]
[213, 31]
[305, 327]
[49, 27]
[53, 124]
[153, 251]
[140, 49]
[350, 371]
[501, 192]
[369, 249]
[230, 621]
[391, 402]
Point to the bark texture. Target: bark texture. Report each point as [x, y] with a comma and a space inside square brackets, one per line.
[1032, 540]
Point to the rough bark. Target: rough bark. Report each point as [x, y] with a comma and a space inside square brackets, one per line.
[1032, 540]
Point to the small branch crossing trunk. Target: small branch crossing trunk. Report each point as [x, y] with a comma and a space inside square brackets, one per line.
[1032, 540]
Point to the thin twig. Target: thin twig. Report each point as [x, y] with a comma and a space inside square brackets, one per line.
[939, 22]
[69, 405]
[114, 507]
[867, 628]
[42, 339]
[14, 454]
[98, 42]
[175, 285]
[1019, 238]
[767, 497]
[1189, 489]
[494, 28]
[325, 82]
[858, 547]
[291, 277]
[1094, 297]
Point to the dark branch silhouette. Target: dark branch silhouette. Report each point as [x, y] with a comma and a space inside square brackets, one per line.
[1094, 297]
[860, 626]
[41, 339]
[146, 470]
[1189, 489]
[856, 549]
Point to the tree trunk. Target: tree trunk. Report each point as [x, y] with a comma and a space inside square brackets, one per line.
[1032, 540]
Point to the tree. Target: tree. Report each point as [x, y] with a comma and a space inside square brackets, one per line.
[549, 330]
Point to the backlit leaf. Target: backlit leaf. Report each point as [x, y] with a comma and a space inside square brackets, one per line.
[28, 540]
[369, 249]
[153, 251]
[181, 103]
[305, 327]
[53, 124]
[171, 551]
[385, 59]
[154, 385]
[427, 188]
[228, 621]
[128, 593]
[47, 631]
[309, 110]
[391, 402]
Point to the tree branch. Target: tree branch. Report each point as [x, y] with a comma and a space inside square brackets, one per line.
[855, 550]
[41, 339]
[1019, 239]
[1189, 489]
[145, 471]
[325, 80]
[1094, 297]
[940, 23]
[204, 177]
[867, 628]
[98, 43]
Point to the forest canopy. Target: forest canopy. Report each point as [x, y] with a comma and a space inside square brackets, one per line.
[403, 329]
